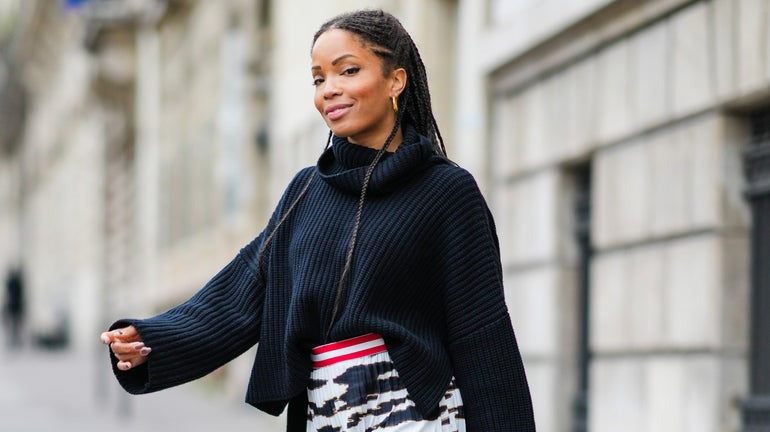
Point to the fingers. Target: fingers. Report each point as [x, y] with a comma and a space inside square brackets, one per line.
[125, 334]
[130, 355]
[124, 350]
[129, 332]
[131, 362]
[127, 346]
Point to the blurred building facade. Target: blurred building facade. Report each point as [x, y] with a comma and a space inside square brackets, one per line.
[616, 134]
[142, 142]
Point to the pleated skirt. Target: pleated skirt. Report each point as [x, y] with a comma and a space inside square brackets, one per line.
[355, 387]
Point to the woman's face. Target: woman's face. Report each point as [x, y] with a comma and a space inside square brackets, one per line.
[351, 92]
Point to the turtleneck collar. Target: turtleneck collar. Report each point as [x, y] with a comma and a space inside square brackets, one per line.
[344, 164]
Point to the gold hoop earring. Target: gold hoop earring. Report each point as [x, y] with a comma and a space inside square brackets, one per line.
[395, 103]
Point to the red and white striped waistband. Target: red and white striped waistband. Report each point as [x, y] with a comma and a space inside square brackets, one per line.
[347, 349]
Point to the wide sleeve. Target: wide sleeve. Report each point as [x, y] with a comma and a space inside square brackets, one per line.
[217, 324]
[220, 322]
[482, 345]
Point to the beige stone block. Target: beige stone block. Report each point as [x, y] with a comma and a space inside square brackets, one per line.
[532, 215]
[650, 58]
[723, 31]
[502, 206]
[609, 323]
[582, 104]
[734, 389]
[503, 136]
[517, 128]
[689, 393]
[633, 198]
[696, 176]
[703, 140]
[767, 44]
[533, 303]
[542, 380]
[618, 399]
[689, 292]
[534, 123]
[557, 132]
[734, 209]
[752, 44]
[693, 292]
[615, 92]
[622, 202]
[683, 393]
[669, 176]
[644, 285]
[735, 286]
[691, 86]
[664, 411]
[604, 198]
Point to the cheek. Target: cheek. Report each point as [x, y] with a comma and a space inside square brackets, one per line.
[365, 91]
[370, 96]
[318, 100]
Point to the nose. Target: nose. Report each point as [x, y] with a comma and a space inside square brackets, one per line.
[331, 88]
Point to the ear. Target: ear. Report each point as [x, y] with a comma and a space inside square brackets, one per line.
[398, 84]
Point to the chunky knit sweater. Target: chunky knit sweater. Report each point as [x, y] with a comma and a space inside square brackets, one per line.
[425, 275]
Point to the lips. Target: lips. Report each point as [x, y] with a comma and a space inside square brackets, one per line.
[335, 112]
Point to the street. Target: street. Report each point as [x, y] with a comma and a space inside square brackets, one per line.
[44, 390]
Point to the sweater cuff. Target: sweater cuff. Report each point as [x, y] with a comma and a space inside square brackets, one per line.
[491, 378]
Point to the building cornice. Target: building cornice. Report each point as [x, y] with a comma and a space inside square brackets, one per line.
[518, 63]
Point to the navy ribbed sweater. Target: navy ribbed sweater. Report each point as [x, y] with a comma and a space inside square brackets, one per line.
[425, 275]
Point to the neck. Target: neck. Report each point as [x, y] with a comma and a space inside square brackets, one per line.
[377, 143]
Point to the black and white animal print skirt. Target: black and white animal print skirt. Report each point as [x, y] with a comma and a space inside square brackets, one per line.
[354, 387]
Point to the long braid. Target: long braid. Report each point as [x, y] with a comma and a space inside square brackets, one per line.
[285, 215]
[422, 98]
[341, 286]
[261, 254]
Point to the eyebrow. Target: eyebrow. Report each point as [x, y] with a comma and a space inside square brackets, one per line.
[335, 61]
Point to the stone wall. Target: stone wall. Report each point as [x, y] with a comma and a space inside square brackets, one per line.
[651, 98]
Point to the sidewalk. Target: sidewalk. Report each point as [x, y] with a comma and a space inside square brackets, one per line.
[43, 391]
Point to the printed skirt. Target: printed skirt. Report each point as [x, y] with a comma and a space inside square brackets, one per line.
[354, 387]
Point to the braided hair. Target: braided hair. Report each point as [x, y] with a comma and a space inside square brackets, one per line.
[384, 35]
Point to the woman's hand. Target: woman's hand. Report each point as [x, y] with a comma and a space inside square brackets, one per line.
[127, 346]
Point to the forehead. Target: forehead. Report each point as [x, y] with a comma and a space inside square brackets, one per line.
[334, 43]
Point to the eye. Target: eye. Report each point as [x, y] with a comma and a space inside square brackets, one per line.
[351, 71]
[317, 81]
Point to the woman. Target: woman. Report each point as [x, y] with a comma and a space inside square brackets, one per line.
[375, 291]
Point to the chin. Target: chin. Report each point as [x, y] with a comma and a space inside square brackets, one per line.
[341, 132]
